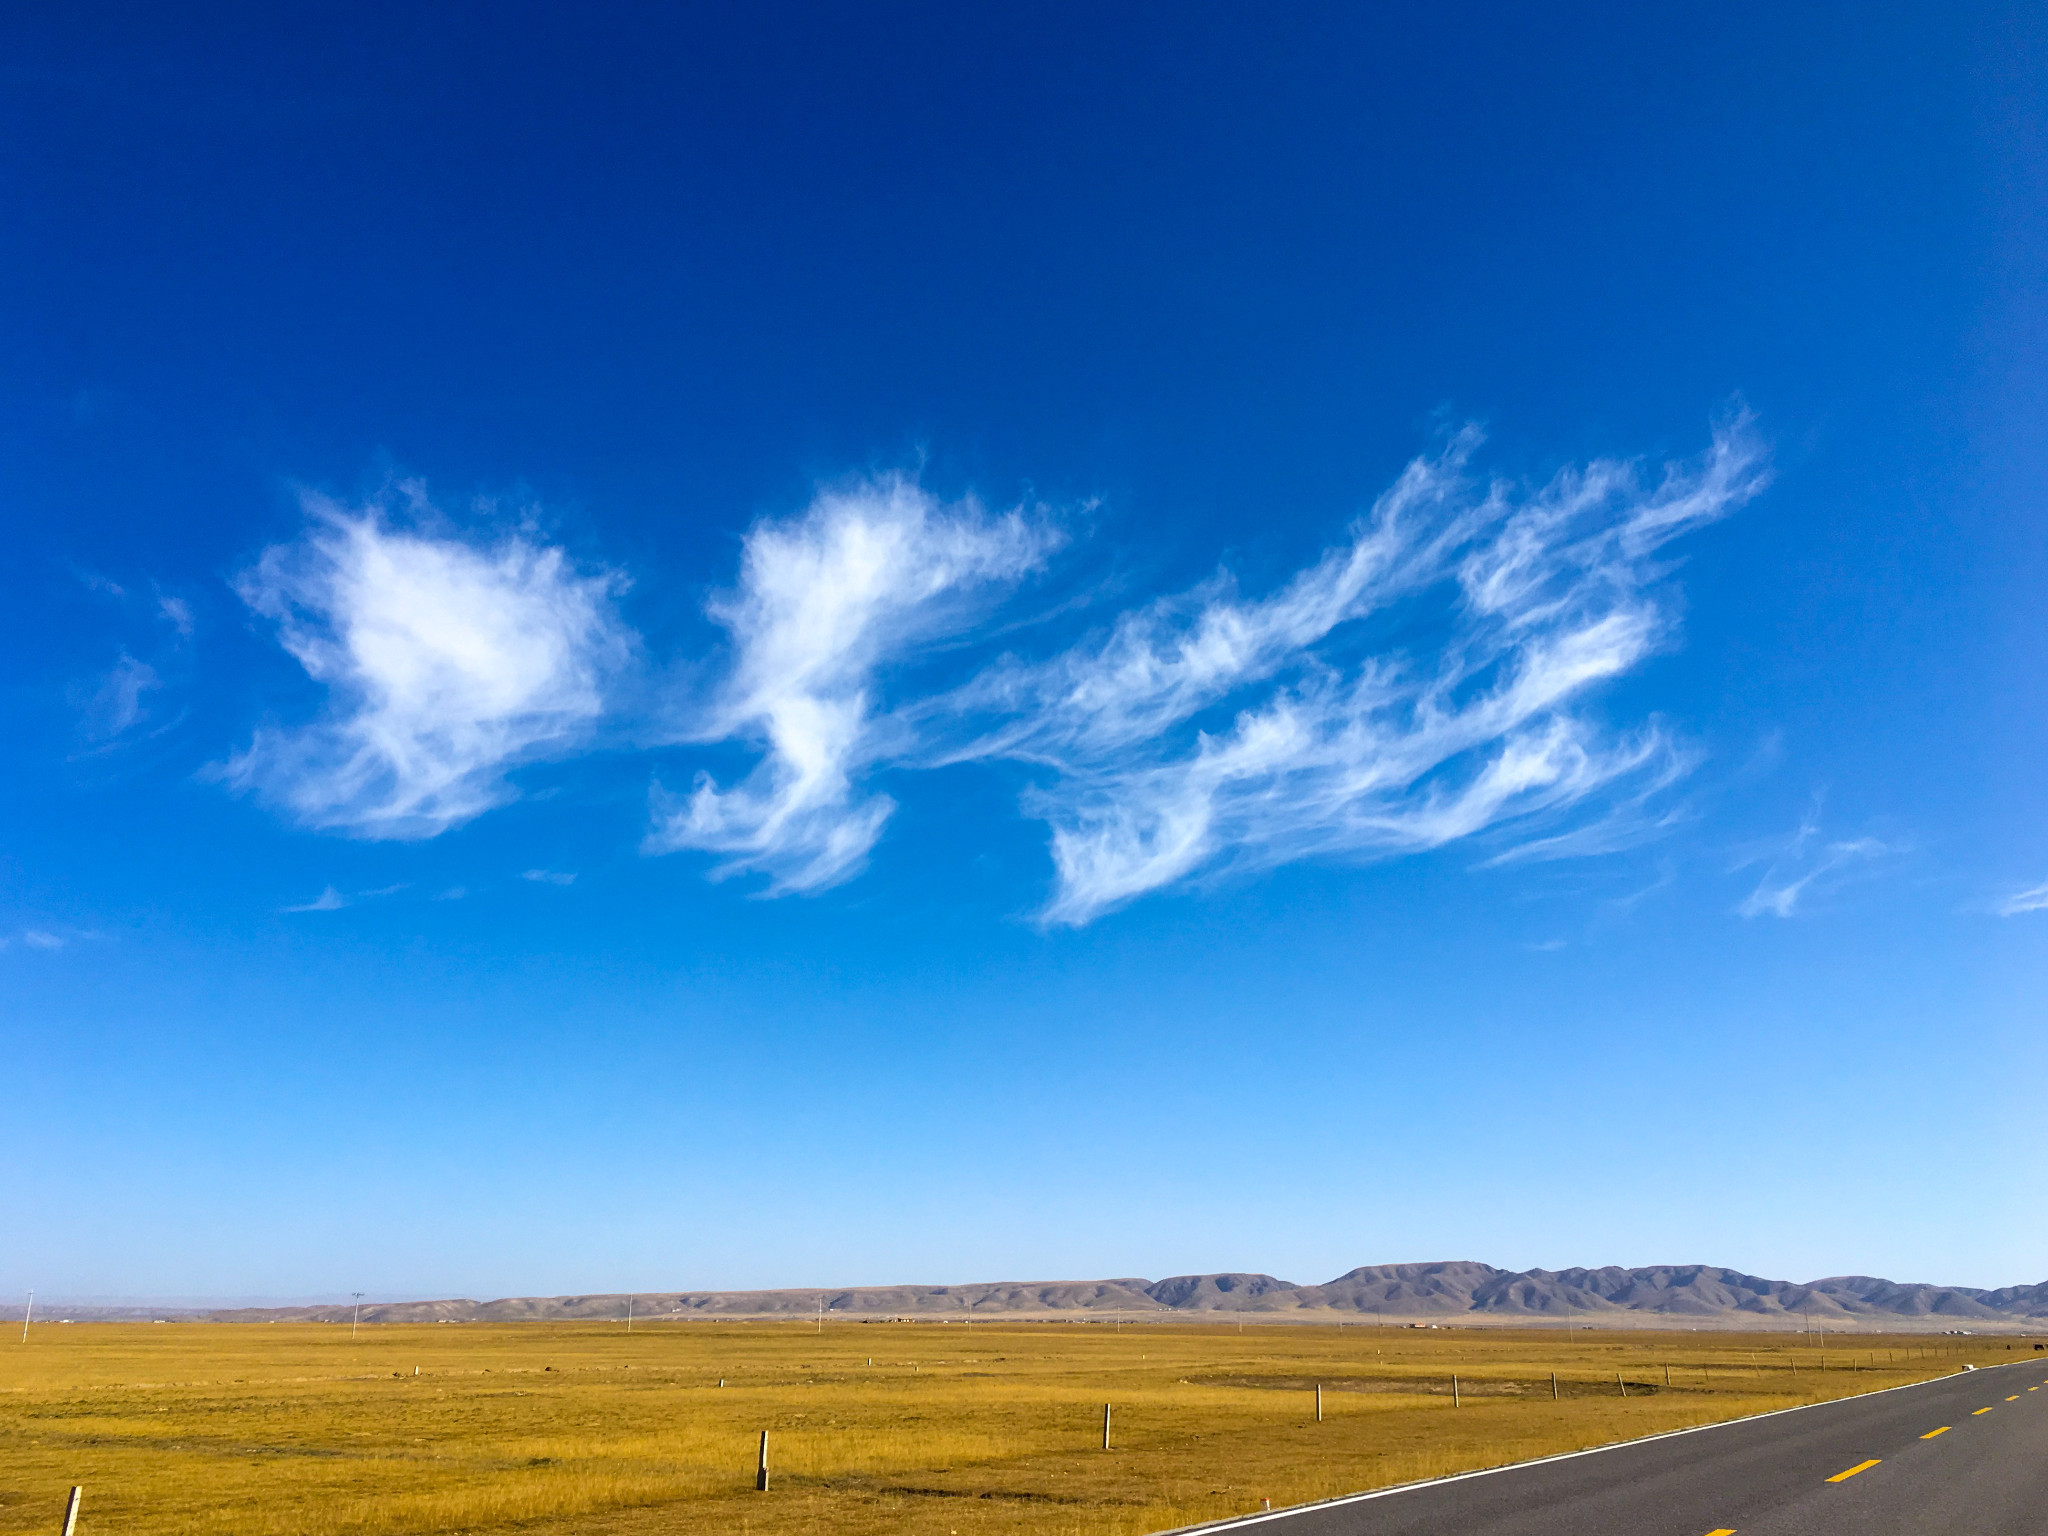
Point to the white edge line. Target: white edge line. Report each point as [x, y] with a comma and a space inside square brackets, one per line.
[1235, 1521]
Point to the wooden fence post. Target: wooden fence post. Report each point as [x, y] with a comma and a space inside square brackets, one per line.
[1319, 1402]
[1455, 1403]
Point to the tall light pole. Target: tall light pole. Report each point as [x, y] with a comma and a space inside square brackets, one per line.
[359, 1313]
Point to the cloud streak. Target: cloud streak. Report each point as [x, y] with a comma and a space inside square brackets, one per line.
[447, 662]
[119, 704]
[1808, 862]
[1433, 677]
[2033, 899]
[868, 577]
[1209, 732]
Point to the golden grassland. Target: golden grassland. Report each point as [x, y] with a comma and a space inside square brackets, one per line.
[994, 1427]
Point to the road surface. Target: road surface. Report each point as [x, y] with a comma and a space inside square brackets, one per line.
[1965, 1455]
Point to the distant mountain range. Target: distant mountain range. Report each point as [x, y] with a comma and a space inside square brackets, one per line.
[1675, 1295]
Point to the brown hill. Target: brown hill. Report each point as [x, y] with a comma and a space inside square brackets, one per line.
[1461, 1291]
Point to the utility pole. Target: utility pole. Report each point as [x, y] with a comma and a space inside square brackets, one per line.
[355, 1321]
[629, 1314]
[31, 1312]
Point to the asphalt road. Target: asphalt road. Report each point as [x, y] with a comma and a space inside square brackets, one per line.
[1966, 1455]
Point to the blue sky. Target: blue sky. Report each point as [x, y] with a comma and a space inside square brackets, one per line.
[684, 647]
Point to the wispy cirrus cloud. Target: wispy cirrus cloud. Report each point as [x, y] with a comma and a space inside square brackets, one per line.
[119, 702]
[2033, 899]
[1806, 863]
[867, 577]
[49, 940]
[447, 661]
[1208, 731]
[332, 900]
[1431, 678]
[1423, 682]
[123, 705]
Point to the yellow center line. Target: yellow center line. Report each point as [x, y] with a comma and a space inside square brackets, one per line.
[1726, 1530]
[1933, 1432]
[2014, 1398]
[1861, 1466]
[1980, 1410]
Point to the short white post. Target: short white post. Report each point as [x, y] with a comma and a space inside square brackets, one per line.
[71, 1512]
[761, 1472]
[1319, 1402]
[1105, 1426]
[1455, 1403]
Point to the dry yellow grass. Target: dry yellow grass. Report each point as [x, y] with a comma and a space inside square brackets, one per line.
[263, 1430]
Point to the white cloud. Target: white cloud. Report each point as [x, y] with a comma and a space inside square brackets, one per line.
[116, 706]
[1807, 862]
[332, 900]
[447, 661]
[42, 938]
[549, 877]
[1512, 605]
[867, 577]
[120, 707]
[2032, 899]
[1427, 680]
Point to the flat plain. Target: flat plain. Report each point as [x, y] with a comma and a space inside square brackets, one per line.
[551, 1428]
